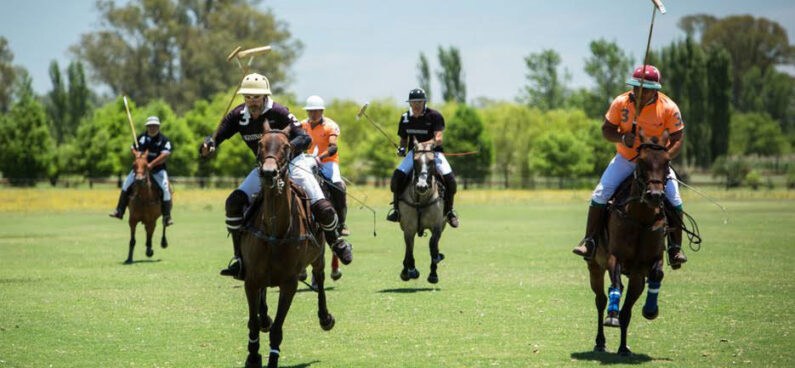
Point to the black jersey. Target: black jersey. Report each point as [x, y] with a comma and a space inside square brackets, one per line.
[155, 145]
[239, 120]
[422, 127]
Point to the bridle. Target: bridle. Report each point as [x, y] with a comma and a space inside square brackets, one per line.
[277, 181]
[422, 172]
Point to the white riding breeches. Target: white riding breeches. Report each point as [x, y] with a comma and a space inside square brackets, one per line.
[160, 177]
[441, 163]
[621, 168]
[300, 172]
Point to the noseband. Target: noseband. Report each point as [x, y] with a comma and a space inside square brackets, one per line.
[643, 184]
[281, 165]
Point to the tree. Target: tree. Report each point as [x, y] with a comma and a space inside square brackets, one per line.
[545, 89]
[105, 140]
[719, 99]
[176, 50]
[464, 133]
[7, 75]
[27, 150]
[57, 106]
[561, 154]
[608, 66]
[451, 76]
[756, 134]
[511, 127]
[424, 75]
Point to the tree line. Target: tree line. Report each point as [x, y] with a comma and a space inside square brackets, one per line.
[735, 102]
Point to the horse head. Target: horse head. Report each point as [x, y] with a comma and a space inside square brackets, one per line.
[424, 166]
[651, 172]
[141, 168]
[273, 154]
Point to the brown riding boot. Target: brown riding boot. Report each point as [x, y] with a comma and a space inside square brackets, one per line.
[676, 256]
[397, 185]
[596, 216]
[118, 212]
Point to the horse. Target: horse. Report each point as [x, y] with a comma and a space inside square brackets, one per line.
[633, 243]
[421, 207]
[278, 243]
[145, 206]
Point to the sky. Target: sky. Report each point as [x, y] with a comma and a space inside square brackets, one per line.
[369, 49]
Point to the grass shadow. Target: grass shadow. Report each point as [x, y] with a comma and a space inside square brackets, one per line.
[613, 358]
[302, 290]
[142, 261]
[408, 290]
[302, 365]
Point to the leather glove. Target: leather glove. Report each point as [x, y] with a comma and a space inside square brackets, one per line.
[628, 139]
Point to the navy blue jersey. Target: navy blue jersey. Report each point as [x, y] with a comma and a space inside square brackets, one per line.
[239, 120]
[422, 127]
[155, 145]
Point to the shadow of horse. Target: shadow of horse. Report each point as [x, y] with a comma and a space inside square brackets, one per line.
[277, 245]
[142, 261]
[145, 206]
[408, 290]
[421, 207]
[606, 359]
[633, 244]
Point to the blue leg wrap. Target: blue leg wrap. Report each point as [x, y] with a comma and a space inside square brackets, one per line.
[651, 296]
[614, 296]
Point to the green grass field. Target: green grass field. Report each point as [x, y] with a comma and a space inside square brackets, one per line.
[510, 295]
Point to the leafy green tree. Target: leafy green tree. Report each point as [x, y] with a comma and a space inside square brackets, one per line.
[7, 75]
[183, 159]
[561, 154]
[451, 76]
[608, 66]
[464, 132]
[511, 127]
[80, 97]
[546, 89]
[424, 75]
[719, 99]
[176, 50]
[104, 140]
[756, 134]
[67, 105]
[57, 106]
[27, 149]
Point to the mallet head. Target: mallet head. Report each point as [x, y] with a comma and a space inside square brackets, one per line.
[361, 111]
[659, 5]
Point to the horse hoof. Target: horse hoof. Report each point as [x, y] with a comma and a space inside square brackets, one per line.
[149, 252]
[128, 261]
[650, 315]
[336, 274]
[407, 274]
[433, 278]
[273, 359]
[612, 322]
[266, 324]
[599, 349]
[328, 324]
[254, 361]
[624, 351]
[404, 275]
[164, 244]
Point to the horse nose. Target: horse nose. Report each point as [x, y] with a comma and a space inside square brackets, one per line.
[267, 173]
[655, 194]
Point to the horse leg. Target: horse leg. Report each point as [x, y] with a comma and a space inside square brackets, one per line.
[254, 359]
[409, 270]
[614, 292]
[634, 291]
[163, 240]
[597, 276]
[265, 320]
[150, 230]
[656, 274]
[436, 257]
[132, 243]
[286, 294]
[319, 275]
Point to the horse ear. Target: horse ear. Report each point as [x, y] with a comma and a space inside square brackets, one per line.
[665, 136]
[641, 135]
[266, 126]
[286, 130]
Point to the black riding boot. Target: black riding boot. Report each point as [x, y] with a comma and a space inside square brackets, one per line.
[340, 202]
[449, 197]
[121, 206]
[325, 215]
[676, 256]
[397, 185]
[166, 210]
[596, 216]
[235, 204]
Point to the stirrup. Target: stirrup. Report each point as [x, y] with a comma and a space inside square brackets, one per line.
[590, 246]
[393, 215]
[343, 229]
[116, 214]
[672, 259]
[452, 218]
[168, 221]
[234, 268]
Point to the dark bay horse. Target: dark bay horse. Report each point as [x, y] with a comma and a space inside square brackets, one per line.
[636, 231]
[279, 243]
[145, 206]
[421, 207]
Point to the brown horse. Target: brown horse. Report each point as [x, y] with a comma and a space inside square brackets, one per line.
[145, 206]
[636, 230]
[277, 246]
[421, 207]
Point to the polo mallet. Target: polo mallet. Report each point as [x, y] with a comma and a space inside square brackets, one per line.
[236, 54]
[362, 112]
[657, 5]
[132, 126]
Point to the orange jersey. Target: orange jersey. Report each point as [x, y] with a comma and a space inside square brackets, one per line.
[655, 118]
[320, 137]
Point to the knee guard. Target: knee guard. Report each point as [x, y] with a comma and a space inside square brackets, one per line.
[398, 183]
[235, 205]
[325, 215]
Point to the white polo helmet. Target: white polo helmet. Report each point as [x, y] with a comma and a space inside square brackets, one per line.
[314, 102]
[152, 120]
[255, 84]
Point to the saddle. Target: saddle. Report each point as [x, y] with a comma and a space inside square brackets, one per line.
[299, 197]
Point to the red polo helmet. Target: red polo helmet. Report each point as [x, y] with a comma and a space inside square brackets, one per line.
[651, 77]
